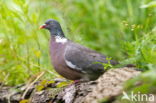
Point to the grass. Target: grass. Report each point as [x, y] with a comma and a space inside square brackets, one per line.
[124, 30]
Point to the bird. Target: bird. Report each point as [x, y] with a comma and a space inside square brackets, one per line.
[72, 60]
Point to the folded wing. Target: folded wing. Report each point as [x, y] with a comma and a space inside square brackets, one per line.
[84, 60]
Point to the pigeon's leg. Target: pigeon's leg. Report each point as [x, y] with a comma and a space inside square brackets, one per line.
[76, 81]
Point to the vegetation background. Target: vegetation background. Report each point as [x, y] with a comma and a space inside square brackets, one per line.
[122, 29]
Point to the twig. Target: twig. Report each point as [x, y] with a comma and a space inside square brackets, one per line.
[38, 77]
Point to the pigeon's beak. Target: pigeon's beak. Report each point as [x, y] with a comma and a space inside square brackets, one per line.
[42, 26]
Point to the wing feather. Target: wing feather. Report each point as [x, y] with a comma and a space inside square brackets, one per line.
[83, 59]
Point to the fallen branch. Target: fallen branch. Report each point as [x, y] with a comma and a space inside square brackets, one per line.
[109, 85]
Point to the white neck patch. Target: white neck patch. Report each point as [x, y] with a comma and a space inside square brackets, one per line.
[59, 39]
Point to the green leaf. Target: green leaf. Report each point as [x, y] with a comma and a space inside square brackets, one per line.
[149, 5]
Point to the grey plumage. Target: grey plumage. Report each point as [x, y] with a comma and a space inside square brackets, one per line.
[71, 60]
[86, 60]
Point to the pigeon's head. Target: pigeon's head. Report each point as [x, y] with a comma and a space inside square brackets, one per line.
[53, 26]
[50, 24]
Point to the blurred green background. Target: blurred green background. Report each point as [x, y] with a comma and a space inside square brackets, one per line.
[122, 29]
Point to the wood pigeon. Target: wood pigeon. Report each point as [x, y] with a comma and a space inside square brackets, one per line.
[71, 60]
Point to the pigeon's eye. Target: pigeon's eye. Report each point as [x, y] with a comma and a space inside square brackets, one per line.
[46, 23]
